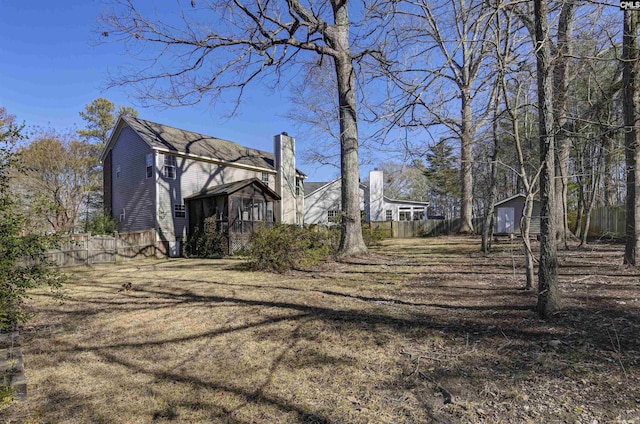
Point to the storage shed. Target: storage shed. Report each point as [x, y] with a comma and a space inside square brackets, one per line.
[507, 216]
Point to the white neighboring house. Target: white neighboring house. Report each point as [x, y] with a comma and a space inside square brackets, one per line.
[322, 202]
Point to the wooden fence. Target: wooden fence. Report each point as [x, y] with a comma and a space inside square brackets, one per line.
[608, 221]
[86, 249]
[605, 222]
[407, 229]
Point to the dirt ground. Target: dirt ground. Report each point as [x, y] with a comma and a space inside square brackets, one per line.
[419, 331]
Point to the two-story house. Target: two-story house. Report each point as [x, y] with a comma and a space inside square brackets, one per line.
[166, 179]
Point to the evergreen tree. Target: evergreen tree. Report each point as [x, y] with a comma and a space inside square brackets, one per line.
[23, 264]
[100, 116]
[443, 174]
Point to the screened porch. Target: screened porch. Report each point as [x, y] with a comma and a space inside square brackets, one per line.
[239, 209]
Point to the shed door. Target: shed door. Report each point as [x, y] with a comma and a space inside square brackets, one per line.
[506, 220]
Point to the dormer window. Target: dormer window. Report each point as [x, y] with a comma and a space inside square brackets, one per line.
[170, 166]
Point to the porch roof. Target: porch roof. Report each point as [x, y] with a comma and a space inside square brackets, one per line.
[230, 188]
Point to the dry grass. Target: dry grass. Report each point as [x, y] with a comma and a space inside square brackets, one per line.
[422, 330]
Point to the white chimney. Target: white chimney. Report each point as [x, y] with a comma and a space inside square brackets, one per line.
[376, 196]
[285, 163]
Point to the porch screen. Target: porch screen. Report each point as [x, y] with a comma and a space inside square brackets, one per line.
[254, 210]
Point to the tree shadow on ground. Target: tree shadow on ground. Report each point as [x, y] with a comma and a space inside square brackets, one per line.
[483, 346]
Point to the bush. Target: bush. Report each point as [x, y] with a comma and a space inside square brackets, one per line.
[285, 247]
[207, 243]
[102, 224]
[372, 237]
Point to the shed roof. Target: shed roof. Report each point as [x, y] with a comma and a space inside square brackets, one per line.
[515, 196]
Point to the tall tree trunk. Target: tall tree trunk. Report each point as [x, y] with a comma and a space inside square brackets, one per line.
[563, 139]
[466, 168]
[548, 301]
[593, 171]
[632, 132]
[351, 241]
[580, 209]
[487, 229]
[525, 229]
[608, 181]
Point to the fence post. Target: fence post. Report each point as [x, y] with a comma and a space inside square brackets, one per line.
[87, 238]
[117, 246]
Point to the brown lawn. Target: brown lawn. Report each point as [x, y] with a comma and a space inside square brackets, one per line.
[421, 330]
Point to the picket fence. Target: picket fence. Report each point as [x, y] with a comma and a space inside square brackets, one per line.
[88, 249]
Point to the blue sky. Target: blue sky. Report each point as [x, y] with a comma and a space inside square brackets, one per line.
[50, 70]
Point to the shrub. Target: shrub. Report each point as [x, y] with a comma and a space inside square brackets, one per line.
[284, 247]
[102, 224]
[372, 237]
[207, 243]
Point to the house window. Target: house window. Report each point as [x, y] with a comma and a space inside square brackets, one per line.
[405, 216]
[123, 214]
[389, 215]
[149, 165]
[118, 171]
[265, 178]
[179, 211]
[418, 215]
[170, 166]
[332, 216]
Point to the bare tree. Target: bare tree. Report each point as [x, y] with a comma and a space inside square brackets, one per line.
[211, 49]
[561, 69]
[441, 61]
[631, 106]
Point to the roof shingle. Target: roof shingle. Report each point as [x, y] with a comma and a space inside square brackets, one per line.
[187, 142]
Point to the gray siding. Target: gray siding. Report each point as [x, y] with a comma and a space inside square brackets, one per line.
[518, 208]
[132, 190]
[192, 176]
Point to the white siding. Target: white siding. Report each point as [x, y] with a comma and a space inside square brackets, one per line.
[192, 176]
[327, 198]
